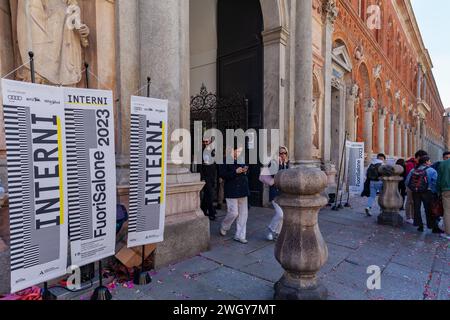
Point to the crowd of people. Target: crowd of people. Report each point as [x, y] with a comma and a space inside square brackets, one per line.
[424, 185]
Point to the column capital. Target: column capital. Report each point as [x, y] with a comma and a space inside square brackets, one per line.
[370, 105]
[330, 10]
[383, 112]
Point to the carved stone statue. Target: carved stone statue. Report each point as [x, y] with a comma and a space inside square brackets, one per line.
[52, 29]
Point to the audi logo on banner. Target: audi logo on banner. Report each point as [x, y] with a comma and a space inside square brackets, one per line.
[14, 98]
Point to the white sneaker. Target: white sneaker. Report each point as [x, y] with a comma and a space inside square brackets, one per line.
[223, 233]
[243, 241]
[410, 221]
[368, 212]
[445, 236]
[270, 236]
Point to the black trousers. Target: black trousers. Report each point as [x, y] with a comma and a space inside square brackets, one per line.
[424, 198]
[207, 204]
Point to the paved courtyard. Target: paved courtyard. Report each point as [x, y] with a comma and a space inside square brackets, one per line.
[414, 266]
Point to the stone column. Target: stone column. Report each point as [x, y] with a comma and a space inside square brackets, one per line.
[390, 200]
[300, 248]
[164, 56]
[275, 42]
[330, 15]
[350, 120]
[392, 135]
[303, 83]
[368, 124]
[405, 141]
[128, 80]
[381, 129]
[398, 150]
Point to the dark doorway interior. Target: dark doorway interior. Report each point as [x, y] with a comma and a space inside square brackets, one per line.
[240, 66]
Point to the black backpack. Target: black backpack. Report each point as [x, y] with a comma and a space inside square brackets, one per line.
[372, 172]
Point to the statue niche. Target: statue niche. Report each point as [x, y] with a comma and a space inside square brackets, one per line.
[53, 30]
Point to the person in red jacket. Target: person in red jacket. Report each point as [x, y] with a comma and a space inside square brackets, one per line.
[410, 165]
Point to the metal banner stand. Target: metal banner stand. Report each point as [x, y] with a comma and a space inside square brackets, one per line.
[101, 292]
[338, 188]
[45, 292]
[142, 278]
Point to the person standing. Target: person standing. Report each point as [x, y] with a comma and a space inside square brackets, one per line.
[402, 184]
[376, 185]
[236, 189]
[410, 165]
[444, 189]
[208, 174]
[274, 228]
[423, 183]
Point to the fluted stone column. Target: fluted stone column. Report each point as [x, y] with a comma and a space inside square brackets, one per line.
[330, 14]
[399, 138]
[301, 249]
[406, 141]
[350, 120]
[303, 83]
[164, 56]
[381, 129]
[392, 135]
[368, 123]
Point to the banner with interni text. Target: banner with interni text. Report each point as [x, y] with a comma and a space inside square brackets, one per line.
[37, 182]
[148, 146]
[91, 174]
[355, 167]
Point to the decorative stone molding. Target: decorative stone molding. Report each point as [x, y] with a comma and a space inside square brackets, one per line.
[397, 95]
[377, 71]
[336, 83]
[359, 52]
[354, 91]
[276, 35]
[388, 85]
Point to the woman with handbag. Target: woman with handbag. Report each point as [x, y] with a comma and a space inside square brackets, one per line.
[267, 177]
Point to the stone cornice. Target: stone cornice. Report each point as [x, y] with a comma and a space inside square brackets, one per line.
[276, 35]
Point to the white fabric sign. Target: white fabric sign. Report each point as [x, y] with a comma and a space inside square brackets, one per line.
[91, 171]
[355, 167]
[148, 145]
[37, 180]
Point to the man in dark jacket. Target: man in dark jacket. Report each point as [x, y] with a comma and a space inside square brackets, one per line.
[236, 194]
[410, 165]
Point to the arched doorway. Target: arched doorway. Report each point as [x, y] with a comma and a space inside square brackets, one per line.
[240, 66]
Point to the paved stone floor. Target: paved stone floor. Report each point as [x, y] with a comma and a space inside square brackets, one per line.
[414, 266]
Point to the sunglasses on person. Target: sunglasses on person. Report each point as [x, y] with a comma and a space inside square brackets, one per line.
[283, 153]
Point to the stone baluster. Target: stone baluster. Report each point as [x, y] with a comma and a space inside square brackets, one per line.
[301, 249]
[390, 200]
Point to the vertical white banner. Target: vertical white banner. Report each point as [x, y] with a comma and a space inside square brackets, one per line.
[355, 167]
[37, 182]
[91, 173]
[148, 158]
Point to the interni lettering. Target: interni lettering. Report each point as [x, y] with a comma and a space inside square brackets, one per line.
[153, 162]
[88, 100]
[99, 196]
[46, 171]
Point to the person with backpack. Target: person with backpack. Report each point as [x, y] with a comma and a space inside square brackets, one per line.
[444, 190]
[376, 185]
[409, 205]
[422, 181]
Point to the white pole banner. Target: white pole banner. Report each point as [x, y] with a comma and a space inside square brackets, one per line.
[37, 182]
[355, 167]
[91, 173]
[147, 171]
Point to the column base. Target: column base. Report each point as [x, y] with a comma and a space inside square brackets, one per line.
[288, 290]
[393, 219]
